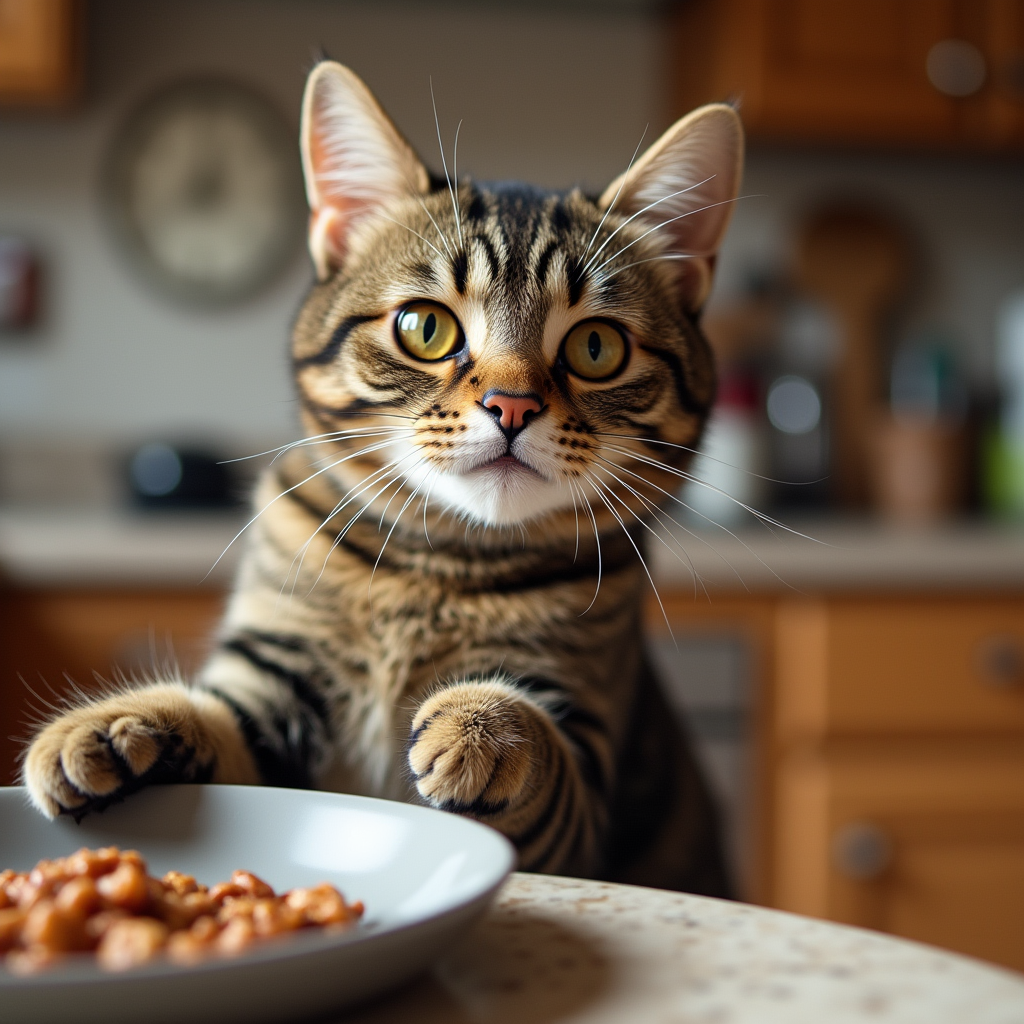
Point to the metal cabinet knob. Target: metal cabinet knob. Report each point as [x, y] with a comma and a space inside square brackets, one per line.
[956, 67]
[1000, 660]
[861, 850]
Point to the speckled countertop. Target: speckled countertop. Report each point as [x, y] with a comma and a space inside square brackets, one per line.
[559, 949]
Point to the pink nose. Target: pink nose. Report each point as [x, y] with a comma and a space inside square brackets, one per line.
[515, 409]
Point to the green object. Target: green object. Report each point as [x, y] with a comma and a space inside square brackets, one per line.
[1003, 475]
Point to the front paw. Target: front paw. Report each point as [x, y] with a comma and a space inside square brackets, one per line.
[98, 753]
[471, 747]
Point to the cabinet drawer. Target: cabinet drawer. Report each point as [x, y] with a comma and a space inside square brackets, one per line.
[899, 666]
[923, 843]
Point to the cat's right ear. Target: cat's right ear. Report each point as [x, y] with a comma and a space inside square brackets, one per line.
[354, 159]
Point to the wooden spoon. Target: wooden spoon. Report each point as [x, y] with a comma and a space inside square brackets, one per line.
[856, 261]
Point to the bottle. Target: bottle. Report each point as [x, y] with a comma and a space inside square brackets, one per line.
[732, 463]
[1003, 473]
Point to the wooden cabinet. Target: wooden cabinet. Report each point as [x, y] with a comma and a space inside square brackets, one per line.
[923, 841]
[896, 760]
[40, 52]
[50, 639]
[899, 667]
[912, 73]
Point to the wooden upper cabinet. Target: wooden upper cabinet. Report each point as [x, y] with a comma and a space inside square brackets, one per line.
[40, 52]
[1004, 103]
[925, 73]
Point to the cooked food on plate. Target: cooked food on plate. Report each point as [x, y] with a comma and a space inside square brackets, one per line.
[106, 901]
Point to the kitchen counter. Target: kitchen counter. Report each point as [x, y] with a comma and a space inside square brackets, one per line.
[96, 547]
[843, 555]
[561, 949]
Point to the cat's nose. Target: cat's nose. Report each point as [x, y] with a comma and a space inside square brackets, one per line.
[512, 412]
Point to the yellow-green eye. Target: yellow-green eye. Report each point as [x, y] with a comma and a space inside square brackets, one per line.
[427, 331]
[595, 349]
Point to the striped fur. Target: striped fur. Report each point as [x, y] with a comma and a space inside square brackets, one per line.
[431, 607]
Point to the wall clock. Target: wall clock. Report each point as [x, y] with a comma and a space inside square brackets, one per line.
[204, 191]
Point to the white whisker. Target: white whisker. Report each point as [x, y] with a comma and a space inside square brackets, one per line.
[660, 516]
[601, 488]
[720, 462]
[455, 175]
[651, 259]
[408, 502]
[437, 228]
[295, 487]
[325, 438]
[295, 571]
[615, 198]
[665, 223]
[576, 513]
[348, 526]
[640, 213]
[707, 518]
[444, 164]
[597, 539]
[426, 502]
[676, 523]
[426, 241]
[683, 475]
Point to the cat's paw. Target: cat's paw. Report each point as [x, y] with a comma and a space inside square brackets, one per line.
[471, 747]
[102, 751]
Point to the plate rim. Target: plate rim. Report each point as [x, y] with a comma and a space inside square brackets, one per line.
[88, 974]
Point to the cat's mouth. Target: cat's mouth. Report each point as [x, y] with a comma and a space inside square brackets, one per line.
[508, 464]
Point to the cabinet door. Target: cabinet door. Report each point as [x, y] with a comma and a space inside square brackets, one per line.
[860, 71]
[1004, 96]
[925, 843]
[51, 639]
[846, 70]
[40, 59]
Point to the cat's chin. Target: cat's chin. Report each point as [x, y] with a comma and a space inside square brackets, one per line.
[505, 492]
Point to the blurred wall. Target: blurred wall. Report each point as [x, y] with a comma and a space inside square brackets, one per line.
[558, 95]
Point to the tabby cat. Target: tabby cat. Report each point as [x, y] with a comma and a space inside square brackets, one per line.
[440, 599]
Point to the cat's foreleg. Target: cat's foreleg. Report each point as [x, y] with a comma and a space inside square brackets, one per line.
[501, 753]
[256, 714]
[109, 747]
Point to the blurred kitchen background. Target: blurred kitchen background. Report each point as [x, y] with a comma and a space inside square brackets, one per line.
[853, 677]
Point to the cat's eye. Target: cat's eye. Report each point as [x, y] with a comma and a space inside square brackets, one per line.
[426, 330]
[595, 349]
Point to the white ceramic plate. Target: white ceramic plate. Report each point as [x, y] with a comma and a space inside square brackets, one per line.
[422, 874]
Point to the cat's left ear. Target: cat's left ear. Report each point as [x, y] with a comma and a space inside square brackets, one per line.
[683, 189]
[355, 161]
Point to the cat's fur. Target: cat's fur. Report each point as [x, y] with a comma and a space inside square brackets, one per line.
[418, 613]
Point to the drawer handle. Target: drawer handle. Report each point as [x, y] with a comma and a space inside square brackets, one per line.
[956, 67]
[861, 851]
[1001, 660]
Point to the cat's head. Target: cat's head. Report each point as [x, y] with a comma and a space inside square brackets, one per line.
[500, 348]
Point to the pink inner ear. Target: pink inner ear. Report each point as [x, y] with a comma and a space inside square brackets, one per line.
[332, 218]
[326, 239]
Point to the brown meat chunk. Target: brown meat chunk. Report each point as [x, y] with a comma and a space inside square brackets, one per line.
[130, 942]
